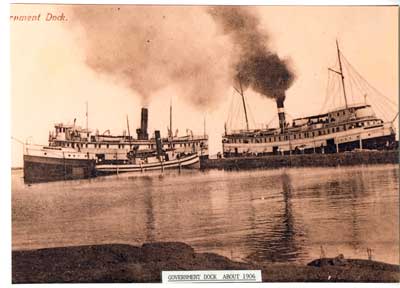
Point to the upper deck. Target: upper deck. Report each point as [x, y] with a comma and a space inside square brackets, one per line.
[348, 117]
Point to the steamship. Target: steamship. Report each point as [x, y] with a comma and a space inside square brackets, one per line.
[348, 128]
[74, 152]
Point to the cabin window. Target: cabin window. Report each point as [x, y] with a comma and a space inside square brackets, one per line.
[87, 145]
[108, 146]
[95, 145]
[73, 145]
[123, 146]
[99, 145]
[294, 136]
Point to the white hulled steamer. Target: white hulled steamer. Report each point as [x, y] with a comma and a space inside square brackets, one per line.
[74, 152]
[348, 128]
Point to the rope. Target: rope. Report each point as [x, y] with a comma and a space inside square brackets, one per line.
[367, 83]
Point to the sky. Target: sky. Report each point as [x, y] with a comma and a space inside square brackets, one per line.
[51, 80]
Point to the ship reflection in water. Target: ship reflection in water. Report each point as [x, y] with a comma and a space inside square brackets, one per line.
[264, 215]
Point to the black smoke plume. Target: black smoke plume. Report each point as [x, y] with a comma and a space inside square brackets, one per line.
[255, 65]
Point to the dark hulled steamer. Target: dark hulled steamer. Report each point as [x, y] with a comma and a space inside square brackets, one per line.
[342, 129]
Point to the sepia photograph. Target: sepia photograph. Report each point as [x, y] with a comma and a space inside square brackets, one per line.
[204, 143]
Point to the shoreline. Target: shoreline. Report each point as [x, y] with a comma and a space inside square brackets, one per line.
[113, 263]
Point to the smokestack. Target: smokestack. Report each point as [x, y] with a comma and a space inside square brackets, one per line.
[142, 131]
[281, 113]
[158, 143]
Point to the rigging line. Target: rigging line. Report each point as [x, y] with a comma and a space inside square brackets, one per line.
[236, 119]
[251, 114]
[395, 117]
[384, 109]
[331, 92]
[335, 92]
[357, 86]
[349, 82]
[18, 140]
[326, 93]
[370, 85]
[380, 109]
[230, 108]
[361, 83]
[273, 118]
[383, 100]
[373, 95]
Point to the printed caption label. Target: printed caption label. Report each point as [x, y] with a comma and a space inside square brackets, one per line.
[212, 276]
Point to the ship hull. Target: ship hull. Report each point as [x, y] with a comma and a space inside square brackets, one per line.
[45, 169]
[384, 140]
[191, 161]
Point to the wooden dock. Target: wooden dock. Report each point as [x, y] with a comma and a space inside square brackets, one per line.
[303, 160]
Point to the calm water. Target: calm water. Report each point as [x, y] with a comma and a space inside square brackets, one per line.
[270, 215]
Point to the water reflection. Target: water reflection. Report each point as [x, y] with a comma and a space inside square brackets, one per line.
[283, 242]
[264, 215]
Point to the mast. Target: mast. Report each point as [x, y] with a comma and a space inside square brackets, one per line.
[170, 119]
[87, 120]
[204, 127]
[129, 132]
[244, 105]
[87, 116]
[341, 73]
